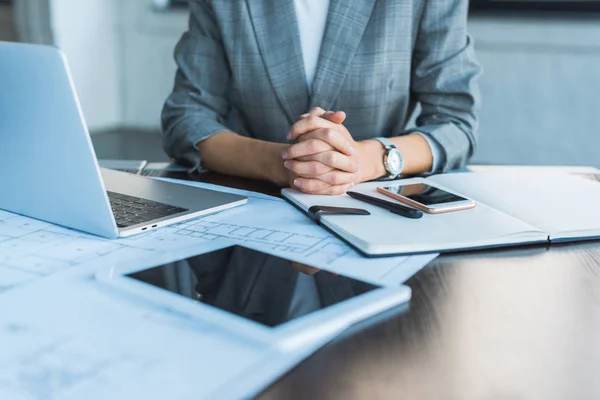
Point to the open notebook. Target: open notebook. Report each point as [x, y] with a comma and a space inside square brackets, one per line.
[512, 208]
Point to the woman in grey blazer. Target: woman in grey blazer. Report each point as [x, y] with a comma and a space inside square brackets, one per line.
[255, 77]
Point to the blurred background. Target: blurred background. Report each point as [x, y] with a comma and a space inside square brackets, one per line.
[540, 85]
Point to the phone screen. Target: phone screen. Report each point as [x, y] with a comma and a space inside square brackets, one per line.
[425, 194]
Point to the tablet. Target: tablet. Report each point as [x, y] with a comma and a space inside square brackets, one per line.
[253, 293]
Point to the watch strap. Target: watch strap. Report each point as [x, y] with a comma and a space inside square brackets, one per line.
[387, 143]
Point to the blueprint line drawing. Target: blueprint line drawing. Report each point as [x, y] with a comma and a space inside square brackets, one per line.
[31, 249]
[65, 336]
[278, 240]
[60, 366]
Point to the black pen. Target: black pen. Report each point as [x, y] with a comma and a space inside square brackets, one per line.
[395, 208]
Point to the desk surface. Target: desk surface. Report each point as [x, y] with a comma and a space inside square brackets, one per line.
[504, 324]
[516, 324]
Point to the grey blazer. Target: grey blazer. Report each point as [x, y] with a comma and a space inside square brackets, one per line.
[240, 69]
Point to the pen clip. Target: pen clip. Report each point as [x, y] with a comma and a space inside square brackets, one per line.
[315, 212]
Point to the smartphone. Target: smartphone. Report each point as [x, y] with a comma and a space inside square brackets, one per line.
[425, 197]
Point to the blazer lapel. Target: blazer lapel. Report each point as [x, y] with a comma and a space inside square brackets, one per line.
[346, 24]
[276, 29]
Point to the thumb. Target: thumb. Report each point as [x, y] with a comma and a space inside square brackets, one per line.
[337, 117]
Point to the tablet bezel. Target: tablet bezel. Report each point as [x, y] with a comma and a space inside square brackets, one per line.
[330, 321]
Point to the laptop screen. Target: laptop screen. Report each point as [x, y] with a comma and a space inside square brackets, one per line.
[254, 285]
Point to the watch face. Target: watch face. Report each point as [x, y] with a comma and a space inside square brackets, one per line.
[395, 162]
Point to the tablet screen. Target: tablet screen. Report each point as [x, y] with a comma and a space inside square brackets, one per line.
[254, 285]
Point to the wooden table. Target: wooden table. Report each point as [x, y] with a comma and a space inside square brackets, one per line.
[505, 324]
[494, 325]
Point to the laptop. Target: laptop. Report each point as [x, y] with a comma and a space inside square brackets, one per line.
[48, 168]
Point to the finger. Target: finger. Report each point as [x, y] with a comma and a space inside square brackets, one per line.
[333, 137]
[336, 160]
[337, 117]
[326, 147]
[309, 124]
[309, 147]
[311, 157]
[314, 186]
[307, 168]
[337, 177]
[310, 185]
[338, 189]
[320, 171]
[315, 111]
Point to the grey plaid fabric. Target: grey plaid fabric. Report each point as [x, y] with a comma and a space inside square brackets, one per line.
[240, 69]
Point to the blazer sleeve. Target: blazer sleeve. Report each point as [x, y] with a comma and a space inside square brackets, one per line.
[444, 81]
[198, 106]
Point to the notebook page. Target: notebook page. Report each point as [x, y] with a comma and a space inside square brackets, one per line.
[562, 205]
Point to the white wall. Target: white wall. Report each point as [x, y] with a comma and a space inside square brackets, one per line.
[88, 32]
[149, 38]
[121, 57]
[540, 88]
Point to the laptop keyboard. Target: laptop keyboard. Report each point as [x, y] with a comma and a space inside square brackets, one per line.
[129, 210]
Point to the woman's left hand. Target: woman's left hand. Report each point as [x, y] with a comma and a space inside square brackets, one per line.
[326, 158]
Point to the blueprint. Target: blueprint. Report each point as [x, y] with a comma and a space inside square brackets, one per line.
[64, 336]
[30, 249]
[101, 347]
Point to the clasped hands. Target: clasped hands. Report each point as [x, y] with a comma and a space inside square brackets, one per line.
[325, 159]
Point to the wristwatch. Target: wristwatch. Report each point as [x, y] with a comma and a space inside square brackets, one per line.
[392, 159]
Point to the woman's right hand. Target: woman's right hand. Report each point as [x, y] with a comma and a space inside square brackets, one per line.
[311, 176]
